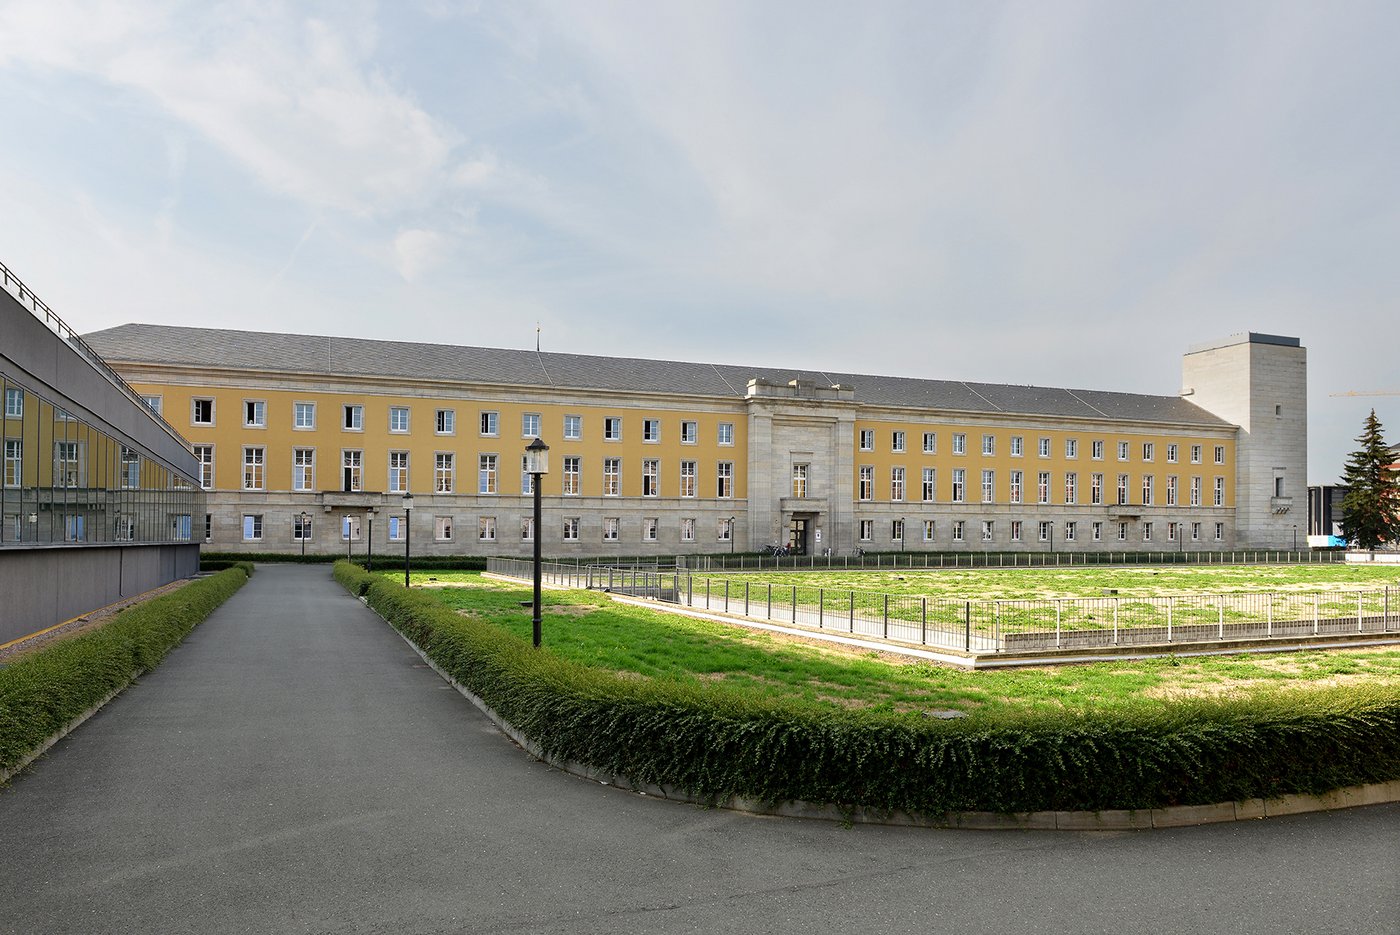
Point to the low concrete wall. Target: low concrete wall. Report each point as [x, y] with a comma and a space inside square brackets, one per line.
[45, 586]
[1378, 558]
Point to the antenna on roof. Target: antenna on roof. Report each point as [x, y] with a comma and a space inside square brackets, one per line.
[537, 337]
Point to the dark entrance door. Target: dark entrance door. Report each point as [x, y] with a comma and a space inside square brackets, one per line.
[797, 535]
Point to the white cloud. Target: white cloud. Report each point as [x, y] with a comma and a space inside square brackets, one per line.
[416, 252]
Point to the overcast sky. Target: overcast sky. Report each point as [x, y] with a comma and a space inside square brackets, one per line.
[1059, 193]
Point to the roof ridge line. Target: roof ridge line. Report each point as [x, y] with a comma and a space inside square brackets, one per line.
[968, 387]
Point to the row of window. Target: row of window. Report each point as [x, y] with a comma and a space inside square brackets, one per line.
[445, 473]
[444, 421]
[898, 440]
[1016, 492]
[70, 465]
[1045, 530]
[486, 528]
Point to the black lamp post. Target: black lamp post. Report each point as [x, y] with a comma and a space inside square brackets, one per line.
[407, 532]
[1050, 528]
[903, 531]
[1295, 537]
[305, 521]
[537, 465]
[731, 535]
[369, 542]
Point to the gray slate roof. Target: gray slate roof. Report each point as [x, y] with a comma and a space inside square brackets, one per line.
[314, 354]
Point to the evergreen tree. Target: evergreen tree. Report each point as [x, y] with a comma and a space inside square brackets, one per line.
[1371, 507]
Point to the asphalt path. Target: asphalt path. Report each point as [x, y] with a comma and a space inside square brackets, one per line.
[294, 767]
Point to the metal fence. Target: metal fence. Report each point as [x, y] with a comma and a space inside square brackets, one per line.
[927, 560]
[999, 625]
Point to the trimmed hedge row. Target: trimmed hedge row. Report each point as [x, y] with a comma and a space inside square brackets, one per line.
[41, 693]
[217, 561]
[714, 741]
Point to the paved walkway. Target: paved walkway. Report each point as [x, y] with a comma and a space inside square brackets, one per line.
[292, 767]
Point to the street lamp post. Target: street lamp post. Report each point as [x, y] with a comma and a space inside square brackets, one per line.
[305, 519]
[537, 465]
[1050, 528]
[369, 542]
[903, 531]
[1295, 537]
[731, 535]
[407, 532]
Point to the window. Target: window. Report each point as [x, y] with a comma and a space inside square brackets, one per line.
[204, 454]
[1122, 532]
[1195, 532]
[1070, 531]
[183, 526]
[130, 468]
[897, 442]
[930, 443]
[350, 528]
[957, 530]
[799, 481]
[1171, 490]
[1045, 527]
[651, 430]
[530, 425]
[1171, 453]
[14, 403]
[352, 469]
[490, 424]
[303, 469]
[445, 422]
[1171, 532]
[690, 432]
[354, 420]
[959, 485]
[1122, 451]
[988, 528]
[397, 525]
[1017, 483]
[1219, 454]
[1071, 447]
[959, 443]
[301, 528]
[1147, 490]
[1015, 530]
[896, 483]
[486, 529]
[304, 416]
[651, 477]
[649, 529]
[612, 428]
[1147, 532]
[527, 529]
[444, 472]
[930, 484]
[1071, 487]
[201, 412]
[724, 479]
[572, 464]
[1278, 486]
[527, 480]
[398, 471]
[1096, 449]
[570, 529]
[726, 529]
[252, 527]
[1195, 491]
[573, 427]
[254, 414]
[688, 478]
[1219, 491]
[610, 524]
[442, 528]
[612, 477]
[989, 445]
[1195, 454]
[867, 530]
[1096, 531]
[1219, 532]
[1096, 489]
[930, 529]
[398, 419]
[14, 462]
[208, 526]
[1043, 448]
[254, 469]
[688, 530]
[867, 482]
[989, 484]
[1122, 489]
[67, 465]
[1148, 450]
[726, 433]
[867, 439]
[897, 530]
[486, 474]
[1018, 445]
[1042, 487]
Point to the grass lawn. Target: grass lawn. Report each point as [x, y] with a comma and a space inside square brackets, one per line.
[591, 629]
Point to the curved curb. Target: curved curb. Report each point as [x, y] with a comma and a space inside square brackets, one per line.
[1175, 816]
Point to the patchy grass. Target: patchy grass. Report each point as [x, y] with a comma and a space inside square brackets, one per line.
[591, 629]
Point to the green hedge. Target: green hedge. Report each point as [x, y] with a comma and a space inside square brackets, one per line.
[216, 561]
[42, 692]
[716, 741]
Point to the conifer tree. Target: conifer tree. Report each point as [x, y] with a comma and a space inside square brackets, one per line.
[1371, 507]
